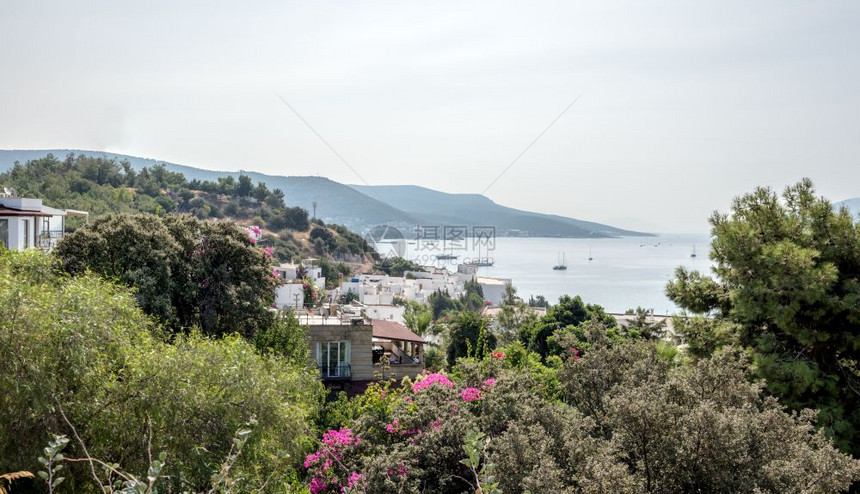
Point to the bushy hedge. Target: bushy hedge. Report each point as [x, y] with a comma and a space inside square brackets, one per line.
[81, 345]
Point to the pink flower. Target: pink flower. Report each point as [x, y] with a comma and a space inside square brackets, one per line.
[318, 485]
[470, 394]
[498, 355]
[355, 479]
[340, 437]
[488, 383]
[436, 425]
[435, 378]
[311, 459]
[392, 427]
[268, 251]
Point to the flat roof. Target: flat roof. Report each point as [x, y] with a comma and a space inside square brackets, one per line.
[21, 212]
[490, 281]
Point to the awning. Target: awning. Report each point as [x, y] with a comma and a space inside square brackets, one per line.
[390, 330]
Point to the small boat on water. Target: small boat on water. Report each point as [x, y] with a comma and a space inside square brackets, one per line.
[561, 266]
[481, 262]
[446, 257]
[589, 254]
[694, 252]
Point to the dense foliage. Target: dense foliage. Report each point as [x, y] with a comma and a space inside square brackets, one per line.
[79, 346]
[186, 272]
[396, 266]
[628, 421]
[787, 287]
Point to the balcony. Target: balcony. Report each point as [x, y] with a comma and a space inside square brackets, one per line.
[48, 239]
[341, 372]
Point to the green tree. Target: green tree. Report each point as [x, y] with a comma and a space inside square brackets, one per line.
[513, 316]
[640, 325]
[788, 278]
[81, 345]
[395, 266]
[418, 318]
[185, 272]
[136, 250]
[469, 336]
[570, 313]
[244, 187]
[442, 304]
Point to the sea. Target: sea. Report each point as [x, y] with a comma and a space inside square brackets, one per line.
[623, 273]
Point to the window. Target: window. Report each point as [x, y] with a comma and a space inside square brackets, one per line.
[333, 358]
[4, 233]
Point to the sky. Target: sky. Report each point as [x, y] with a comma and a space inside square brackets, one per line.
[677, 106]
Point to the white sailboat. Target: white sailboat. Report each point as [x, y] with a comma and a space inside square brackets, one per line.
[561, 266]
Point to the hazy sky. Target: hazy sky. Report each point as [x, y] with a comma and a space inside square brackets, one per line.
[684, 104]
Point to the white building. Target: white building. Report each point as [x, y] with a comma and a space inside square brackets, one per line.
[493, 288]
[290, 295]
[27, 223]
[386, 312]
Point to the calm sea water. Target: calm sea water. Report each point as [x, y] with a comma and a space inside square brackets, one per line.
[624, 272]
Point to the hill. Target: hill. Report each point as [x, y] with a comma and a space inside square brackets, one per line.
[360, 208]
[473, 209]
[104, 185]
[336, 203]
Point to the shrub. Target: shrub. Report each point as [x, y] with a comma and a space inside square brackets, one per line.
[82, 344]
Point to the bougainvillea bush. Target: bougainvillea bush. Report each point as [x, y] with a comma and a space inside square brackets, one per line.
[627, 420]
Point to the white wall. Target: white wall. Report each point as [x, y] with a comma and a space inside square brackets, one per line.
[386, 312]
[494, 290]
[285, 295]
[17, 235]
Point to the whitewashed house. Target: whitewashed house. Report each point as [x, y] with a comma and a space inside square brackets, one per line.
[493, 288]
[27, 223]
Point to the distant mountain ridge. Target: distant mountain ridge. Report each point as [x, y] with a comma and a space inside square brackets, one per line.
[362, 207]
[441, 208]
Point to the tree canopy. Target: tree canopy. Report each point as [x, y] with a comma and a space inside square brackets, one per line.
[185, 272]
[787, 287]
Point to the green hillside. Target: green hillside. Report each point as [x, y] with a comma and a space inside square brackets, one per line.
[360, 208]
[336, 203]
[103, 185]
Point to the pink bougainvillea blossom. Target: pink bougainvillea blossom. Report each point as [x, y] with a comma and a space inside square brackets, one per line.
[470, 394]
[498, 355]
[435, 378]
[317, 485]
[321, 464]
[355, 481]
[488, 383]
